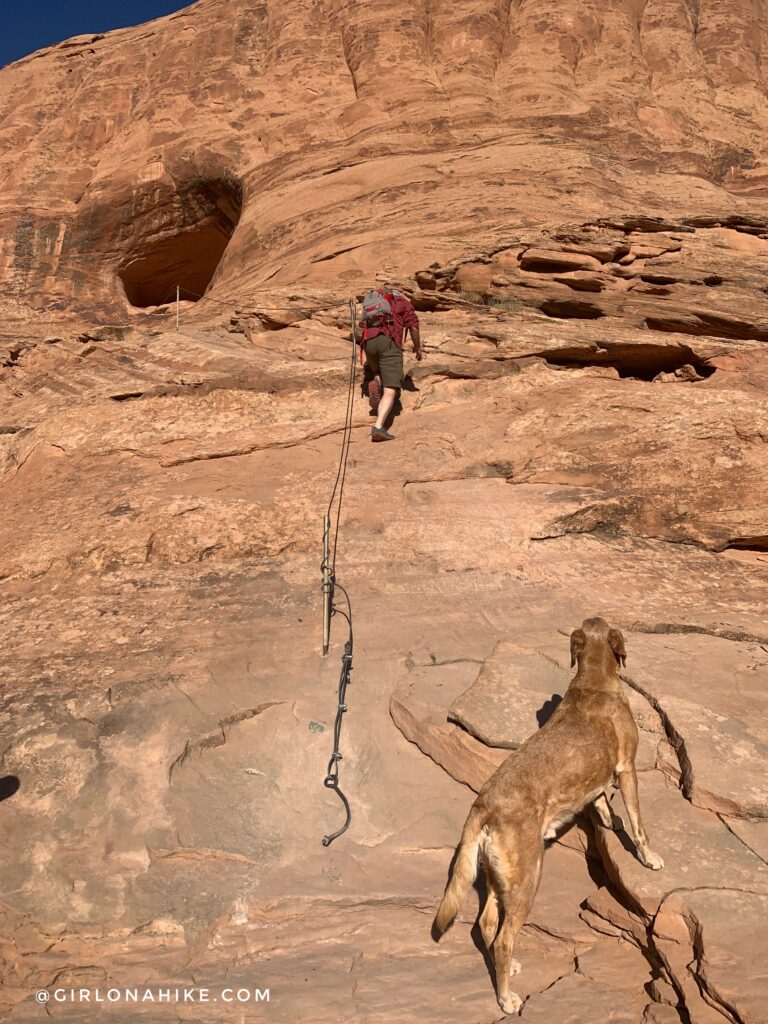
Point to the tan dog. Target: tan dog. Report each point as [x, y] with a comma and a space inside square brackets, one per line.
[590, 740]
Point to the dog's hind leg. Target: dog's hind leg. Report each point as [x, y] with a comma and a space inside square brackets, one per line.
[628, 786]
[605, 813]
[516, 892]
[489, 919]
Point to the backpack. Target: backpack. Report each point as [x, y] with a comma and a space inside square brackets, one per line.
[376, 309]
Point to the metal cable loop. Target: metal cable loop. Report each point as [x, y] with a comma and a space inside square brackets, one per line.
[330, 585]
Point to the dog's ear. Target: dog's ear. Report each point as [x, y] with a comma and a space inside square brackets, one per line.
[616, 640]
[578, 643]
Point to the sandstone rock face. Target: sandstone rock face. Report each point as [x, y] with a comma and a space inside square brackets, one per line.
[292, 137]
[574, 197]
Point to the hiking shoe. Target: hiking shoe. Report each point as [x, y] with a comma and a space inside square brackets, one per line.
[374, 393]
[380, 434]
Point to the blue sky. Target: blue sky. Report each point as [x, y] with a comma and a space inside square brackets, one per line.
[29, 25]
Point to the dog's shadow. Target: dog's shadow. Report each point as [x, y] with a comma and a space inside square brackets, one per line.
[620, 833]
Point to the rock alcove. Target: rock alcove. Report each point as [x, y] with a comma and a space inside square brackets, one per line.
[179, 238]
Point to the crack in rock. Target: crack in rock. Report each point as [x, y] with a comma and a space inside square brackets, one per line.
[673, 736]
[739, 636]
[217, 737]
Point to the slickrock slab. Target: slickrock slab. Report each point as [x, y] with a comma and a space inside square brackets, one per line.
[713, 943]
[417, 709]
[463, 757]
[576, 998]
[753, 833]
[661, 1013]
[557, 261]
[518, 688]
[584, 281]
[711, 693]
[515, 692]
[683, 499]
[676, 828]
[603, 912]
[509, 520]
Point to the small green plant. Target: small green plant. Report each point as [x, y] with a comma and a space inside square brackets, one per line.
[502, 302]
[115, 332]
[507, 303]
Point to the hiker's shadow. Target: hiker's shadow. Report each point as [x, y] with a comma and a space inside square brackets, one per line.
[397, 408]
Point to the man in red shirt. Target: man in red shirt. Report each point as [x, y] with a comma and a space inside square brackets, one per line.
[381, 345]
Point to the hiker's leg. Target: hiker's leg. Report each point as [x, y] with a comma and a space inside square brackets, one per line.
[371, 359]
[397, 408]
[385, 406]
[391, 368]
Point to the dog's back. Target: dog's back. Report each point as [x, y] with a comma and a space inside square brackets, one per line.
[558, 769]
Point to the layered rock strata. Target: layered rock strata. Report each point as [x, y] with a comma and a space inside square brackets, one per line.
[574, 197]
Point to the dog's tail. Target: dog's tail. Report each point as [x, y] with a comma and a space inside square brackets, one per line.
[463, 874]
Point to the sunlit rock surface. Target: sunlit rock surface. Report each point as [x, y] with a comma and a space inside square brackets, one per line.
[575, 197]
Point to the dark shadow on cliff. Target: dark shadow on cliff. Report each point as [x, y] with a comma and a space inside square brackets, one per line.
[9, 785]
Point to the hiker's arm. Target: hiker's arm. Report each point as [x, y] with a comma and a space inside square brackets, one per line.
[359, 343]
[416, 339]
[411, 323]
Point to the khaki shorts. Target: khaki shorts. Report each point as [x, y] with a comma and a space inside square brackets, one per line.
[385, 359]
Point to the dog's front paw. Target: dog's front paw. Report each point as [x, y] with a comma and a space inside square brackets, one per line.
[652, 860]
[511, 1004]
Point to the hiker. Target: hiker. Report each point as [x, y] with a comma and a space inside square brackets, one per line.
[387, 317]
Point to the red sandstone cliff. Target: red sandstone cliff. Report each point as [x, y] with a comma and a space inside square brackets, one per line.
[574, 195]
[334, 139]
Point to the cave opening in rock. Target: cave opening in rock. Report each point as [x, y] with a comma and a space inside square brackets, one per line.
[642, 362]
[179, 238]
[758, 543]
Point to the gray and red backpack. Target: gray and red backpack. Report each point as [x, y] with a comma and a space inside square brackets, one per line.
[377, 310]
